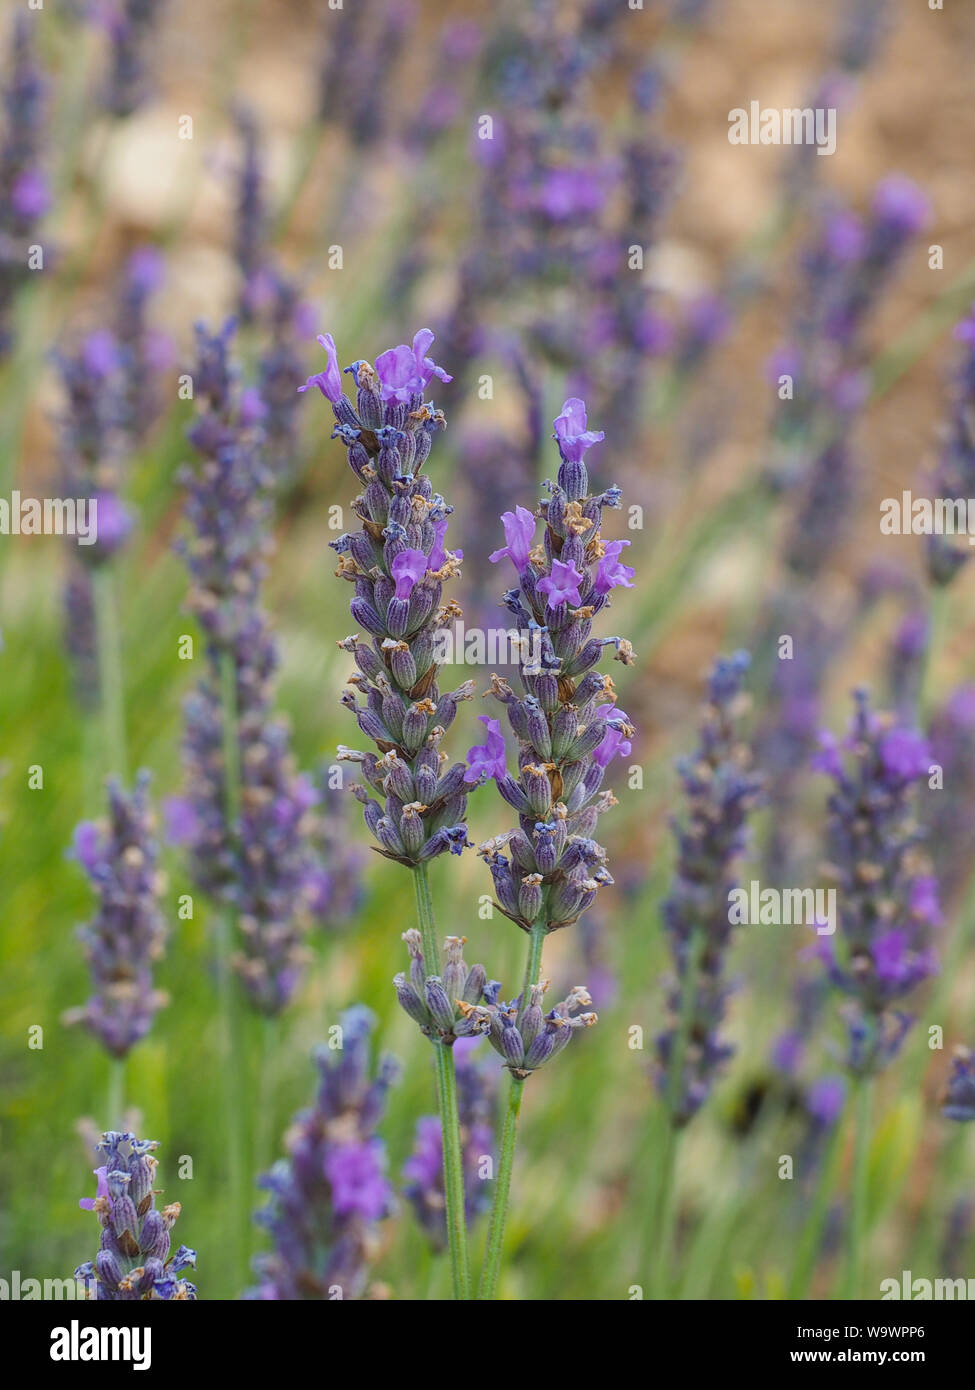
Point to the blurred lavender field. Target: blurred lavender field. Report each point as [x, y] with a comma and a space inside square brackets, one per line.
[746, 655]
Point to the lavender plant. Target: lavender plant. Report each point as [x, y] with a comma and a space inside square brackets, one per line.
[124, 941]
[245, 814]
[133, 1260]
[569, 730]
[24, 192]
[720, 790]
[889, 910]
[398, 562]
[327, 1197]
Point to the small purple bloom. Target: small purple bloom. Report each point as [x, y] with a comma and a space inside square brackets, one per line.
[438, 554]
[900, 203]
[359, 1187]
[571, 432]
[562, 585]
[889, 956]
[85, 845]
[488, 758]
[519, 532]
[610, 573]
[329, 381]
[100, 353]
[408, 567]
[407, 371]
[904, 755]
[825, 1099]
[88, 1203]
[615, 743]
[30, 196]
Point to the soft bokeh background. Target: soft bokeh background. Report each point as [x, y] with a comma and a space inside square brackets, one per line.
[704, 559]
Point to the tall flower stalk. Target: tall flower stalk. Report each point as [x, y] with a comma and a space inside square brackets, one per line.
[125, 938]
[890, 909]
[569, 729]
[398, 562]
[720, 790]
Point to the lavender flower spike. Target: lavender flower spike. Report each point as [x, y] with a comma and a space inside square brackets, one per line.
[959, 1101]
[883, 950]
[720, 791]
[328, 1196]
[398, 563]
[566, 707]
[133, 1261]
[124, 940]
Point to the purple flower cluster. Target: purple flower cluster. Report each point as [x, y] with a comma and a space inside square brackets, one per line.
[258, 857]
[130, 25]
[955, 474]
[949, 825]
[145, 352]
[398, 563]
[133, 1261]
[959, 1101]
[327, 1197]
[24, 193]
[566, 720]
[124, 940]
[720, 790]
[887, 895]
[423, 1170]
[449, 1007]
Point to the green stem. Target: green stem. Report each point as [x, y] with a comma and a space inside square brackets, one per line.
[863, 1106]
[488, 1286]
[662, 1215]
[811, 1238]
[108, 645]
[453, 1170]
[116, 1093]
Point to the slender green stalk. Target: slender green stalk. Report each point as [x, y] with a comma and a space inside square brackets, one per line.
[811, 1238]
[228, 991]
[116, 1093]
[108, 645]
[453, 1170]
[488, 1286]
[662, 1223]
[863, 1108]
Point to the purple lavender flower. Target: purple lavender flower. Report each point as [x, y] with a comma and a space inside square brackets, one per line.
[260, 859]
[405, 372]
[134, 1260]
[573, 437]
[131, 25]
[124, 940]
[487, 759]
[528, 1037]
[519, 532]
[446, 1007]
[556, 867]
[142, 350]
[24, 197]
[959, 1101]
[328, 1195]
[955, 474]
[398, 563]
[951, 830]
[887, 917]
[721, 791]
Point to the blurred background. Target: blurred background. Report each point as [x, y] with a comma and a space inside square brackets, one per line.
[326, 171]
